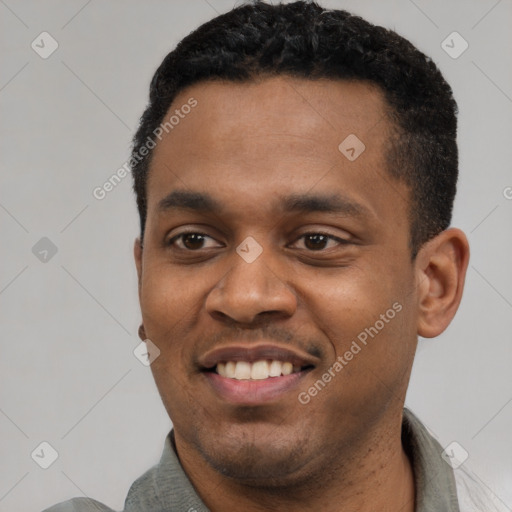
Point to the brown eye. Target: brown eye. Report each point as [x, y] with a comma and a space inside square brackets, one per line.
[320, 241]
[315, 242]
[193, 241]
[189, 241]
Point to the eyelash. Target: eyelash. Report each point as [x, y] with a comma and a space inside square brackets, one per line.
[340, 241]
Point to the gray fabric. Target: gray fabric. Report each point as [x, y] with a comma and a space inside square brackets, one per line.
[434, 479]
[166, 488]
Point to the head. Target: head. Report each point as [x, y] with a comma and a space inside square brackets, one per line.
[299, 248]
[303, 40]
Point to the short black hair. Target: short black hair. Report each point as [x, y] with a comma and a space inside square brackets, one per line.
[304, 40]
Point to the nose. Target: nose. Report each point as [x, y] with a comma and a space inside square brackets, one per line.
[250, 291]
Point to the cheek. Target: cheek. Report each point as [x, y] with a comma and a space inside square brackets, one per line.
[368, 317]
[349, 300]
[169, 311]
[167, 299]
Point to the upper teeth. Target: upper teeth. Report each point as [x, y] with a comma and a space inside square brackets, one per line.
[258, 370]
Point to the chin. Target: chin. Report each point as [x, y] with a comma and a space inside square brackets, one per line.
[259, 468]
[257, 458]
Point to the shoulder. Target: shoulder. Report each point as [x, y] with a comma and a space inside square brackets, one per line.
[79, 505]
[474, 496]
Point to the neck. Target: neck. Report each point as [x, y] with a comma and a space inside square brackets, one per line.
[375, 475]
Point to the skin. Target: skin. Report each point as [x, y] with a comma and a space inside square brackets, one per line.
[250, 145]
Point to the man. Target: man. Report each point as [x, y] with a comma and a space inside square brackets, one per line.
[295, 172]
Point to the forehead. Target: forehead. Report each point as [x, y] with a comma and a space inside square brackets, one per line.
[276, 134]
[238, 113]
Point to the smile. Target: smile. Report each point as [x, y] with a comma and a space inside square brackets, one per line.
[253, 375]
[259, 370]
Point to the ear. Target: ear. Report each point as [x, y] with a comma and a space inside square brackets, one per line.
[137, 253]
[441, 266]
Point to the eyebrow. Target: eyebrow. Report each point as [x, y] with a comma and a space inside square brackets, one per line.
[304, 203]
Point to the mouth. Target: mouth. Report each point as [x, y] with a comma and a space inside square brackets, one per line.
[251, 376]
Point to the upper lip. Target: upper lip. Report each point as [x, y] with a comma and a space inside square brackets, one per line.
[254, 353]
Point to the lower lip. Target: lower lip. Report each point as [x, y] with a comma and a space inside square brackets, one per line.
[252, 392]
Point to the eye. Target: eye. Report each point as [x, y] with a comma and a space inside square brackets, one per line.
[190, 241]
[193, 241]
[320, 241]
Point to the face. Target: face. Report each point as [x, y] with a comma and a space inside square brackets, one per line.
[276, 276]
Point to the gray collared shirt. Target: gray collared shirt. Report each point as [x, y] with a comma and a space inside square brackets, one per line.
[166, 488]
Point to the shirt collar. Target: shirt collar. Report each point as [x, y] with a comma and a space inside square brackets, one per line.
[433, 477]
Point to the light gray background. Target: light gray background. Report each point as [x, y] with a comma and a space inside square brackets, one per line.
[69, 325]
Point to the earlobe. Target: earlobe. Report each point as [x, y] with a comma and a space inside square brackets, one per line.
[441, 268]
